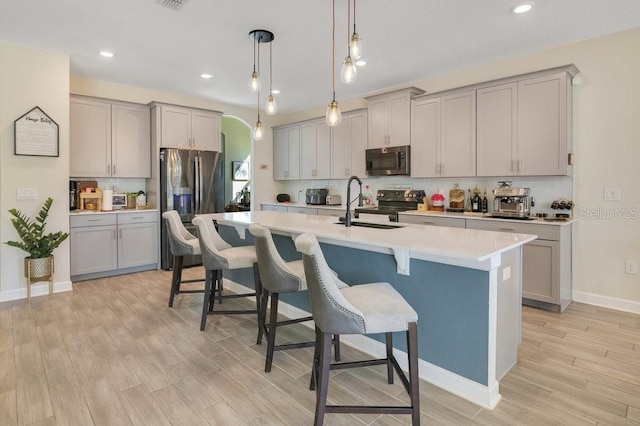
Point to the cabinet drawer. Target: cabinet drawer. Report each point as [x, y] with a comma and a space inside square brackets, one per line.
[92, 220]
[137, 217]
[303, 210]
[332, 212]
[451, 222]
[544, 232]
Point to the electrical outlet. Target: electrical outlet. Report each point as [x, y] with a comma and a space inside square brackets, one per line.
[631, 267]
[506, 273]
[612, 194]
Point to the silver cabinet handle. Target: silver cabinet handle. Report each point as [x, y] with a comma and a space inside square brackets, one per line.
[114, 169]
[507, 229]
[114, 234]
[94, 220]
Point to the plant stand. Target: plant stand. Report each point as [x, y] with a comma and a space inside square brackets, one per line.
[38, 270]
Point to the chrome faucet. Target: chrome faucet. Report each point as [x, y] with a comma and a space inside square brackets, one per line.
[347, 217]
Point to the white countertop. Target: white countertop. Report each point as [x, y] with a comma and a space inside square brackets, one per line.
[84, 212]
[311, 206]
[463, 247]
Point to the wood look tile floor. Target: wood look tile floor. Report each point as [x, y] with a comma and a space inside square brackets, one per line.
[112, 353]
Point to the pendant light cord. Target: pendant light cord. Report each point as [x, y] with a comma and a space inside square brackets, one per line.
[333, 56]
[354, 16]
[254, 54]
[258, 104]
[270, 67]
[349, 26]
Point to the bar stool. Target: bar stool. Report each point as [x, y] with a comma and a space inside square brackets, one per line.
[181, 243]
[218, 255]
[359, 309]
[276, 277]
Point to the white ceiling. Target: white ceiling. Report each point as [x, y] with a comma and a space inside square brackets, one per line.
[404, 40]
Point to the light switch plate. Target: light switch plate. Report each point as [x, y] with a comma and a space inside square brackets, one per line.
[27, 193]
[612, 194]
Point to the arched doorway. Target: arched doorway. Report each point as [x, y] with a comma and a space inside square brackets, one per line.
[237, 158]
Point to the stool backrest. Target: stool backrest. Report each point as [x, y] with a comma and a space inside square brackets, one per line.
[332, 312]
[275, 275]
[211, 244]
[178, 234]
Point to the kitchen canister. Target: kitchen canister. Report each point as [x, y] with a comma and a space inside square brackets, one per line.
[107, 200]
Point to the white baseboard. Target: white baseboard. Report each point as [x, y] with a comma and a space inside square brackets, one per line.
[606, 301]
[468, 389]
[36, 290]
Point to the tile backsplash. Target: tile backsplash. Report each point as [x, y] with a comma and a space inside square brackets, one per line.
[545, 189]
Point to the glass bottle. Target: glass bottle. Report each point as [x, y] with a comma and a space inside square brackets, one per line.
[485, 202]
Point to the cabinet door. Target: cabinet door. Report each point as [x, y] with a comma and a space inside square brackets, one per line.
[286, 153]
[89, 138]
[377, 134]
[399, 119]
[315, 150]
[497, 130]
[176, 127]
[130, 141]
[458, 135]
[93, 249]
[358, 145]
[542, 125]
[341, 150]
[425, 138]
[205, 130]
[540, 271]
[137, 244]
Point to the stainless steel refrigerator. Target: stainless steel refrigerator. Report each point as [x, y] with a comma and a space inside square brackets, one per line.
[191, 182]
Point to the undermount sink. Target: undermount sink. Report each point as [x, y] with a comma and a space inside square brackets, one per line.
[372, 225]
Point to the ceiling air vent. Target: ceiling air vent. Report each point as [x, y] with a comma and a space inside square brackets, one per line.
[172, 4]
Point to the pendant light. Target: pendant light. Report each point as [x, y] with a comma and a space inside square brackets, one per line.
[270, 107]
[258, 36]
[254, 80]
[356, 44]
[349, 72]
[334, 115]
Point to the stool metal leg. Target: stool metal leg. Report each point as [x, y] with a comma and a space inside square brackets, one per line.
[323, 382]
[176, 277]
[271, 336]
[264, 300]
[389, 345]
[412, 352]
[207, 298]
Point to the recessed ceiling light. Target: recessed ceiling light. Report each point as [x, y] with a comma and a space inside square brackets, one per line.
[275, 91]
[361, 63]
[106, 54]
[522, 8]
[206, 76]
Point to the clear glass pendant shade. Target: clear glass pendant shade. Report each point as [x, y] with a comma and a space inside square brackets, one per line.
[356, 46]
[258, 133]
[270, 107]
[334, 115]
[349, 72]
[254, 81]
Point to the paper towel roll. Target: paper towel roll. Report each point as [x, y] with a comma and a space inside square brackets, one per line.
[107, 200]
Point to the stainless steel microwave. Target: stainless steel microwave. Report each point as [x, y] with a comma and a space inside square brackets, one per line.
[394, 160]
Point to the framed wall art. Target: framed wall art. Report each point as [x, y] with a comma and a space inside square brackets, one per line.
[240, 170]
[35, 133]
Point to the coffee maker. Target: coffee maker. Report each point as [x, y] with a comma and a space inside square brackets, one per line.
[511, 202]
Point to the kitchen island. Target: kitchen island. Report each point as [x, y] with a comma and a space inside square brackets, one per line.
[464, 284]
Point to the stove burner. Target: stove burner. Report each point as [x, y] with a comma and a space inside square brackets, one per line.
[391, 202]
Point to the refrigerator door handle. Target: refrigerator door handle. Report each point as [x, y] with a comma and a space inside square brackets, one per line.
[196, 184]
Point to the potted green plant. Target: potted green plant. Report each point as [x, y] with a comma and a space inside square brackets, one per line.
[38, 266]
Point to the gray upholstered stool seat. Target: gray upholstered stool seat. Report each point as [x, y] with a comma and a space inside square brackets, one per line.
[277, 276]
[360, 309]
[218, 255]
[181, 243]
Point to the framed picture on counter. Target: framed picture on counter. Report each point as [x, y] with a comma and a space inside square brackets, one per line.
[240, 170]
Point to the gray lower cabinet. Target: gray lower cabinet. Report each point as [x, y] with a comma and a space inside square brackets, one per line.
[451, 222]
[546, 262]
[112, 244]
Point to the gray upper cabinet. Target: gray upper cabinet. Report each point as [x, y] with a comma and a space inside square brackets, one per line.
[181, 127]
[286, 153]
[109, 139]
[443, 135]
[315, 150]
[389, 118]
[524, 126]
[348, 145]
